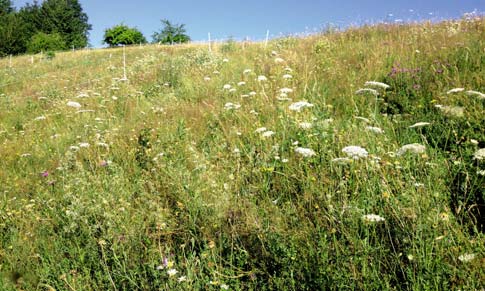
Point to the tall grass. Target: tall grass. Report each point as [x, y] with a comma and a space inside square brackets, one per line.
[157, 183]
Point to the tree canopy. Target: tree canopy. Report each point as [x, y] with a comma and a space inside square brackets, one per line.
[54, 21]
[123, 35]
[171, 33]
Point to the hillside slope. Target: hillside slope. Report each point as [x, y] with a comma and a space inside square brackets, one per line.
[249, 168]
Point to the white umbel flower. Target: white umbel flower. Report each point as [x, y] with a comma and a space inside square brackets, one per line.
[268, 134]
[373, 218]
[231, 106]
[377, 84]
[479, 155]
[414, 148]
[355, 152]
[305, 125]
[73, 104]
[262, 78]
[305, 152]
[367, 90]
[419, 124]
[286, 90]
[466, 257]
[455, 90]
[480, 95]
[374, 129]
[298, 106]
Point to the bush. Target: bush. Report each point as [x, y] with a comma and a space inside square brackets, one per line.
[46, 42]
[124, 35]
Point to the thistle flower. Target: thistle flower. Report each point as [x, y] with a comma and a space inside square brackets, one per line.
[298, 106]
[480, 95]
[262, 78]
[373, 218]
[355, 152]
[419, 124]
[73, 104]
[305, 152]
[376, 84]
[367, 90]
[455, 90]
[374, 129]
[479, 155]
[414, 148]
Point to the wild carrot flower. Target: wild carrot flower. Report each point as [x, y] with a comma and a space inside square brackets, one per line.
[419, 124]
[377, 84]
[242, 83]
[298, 106]
[414, 148]
[260, 130]
[466, 257]
[73, 104]
[279, 60]
[227, 87]
[480, 95]
[455, 90]
[367, 90]
[373, 218]
[286, 90]
[252, 93]
[305, 125]
[247, 71]
[287, 76]
[479, 155]
[374, 129]
[42, 117]
[172, 272]
[305, 152]
[268, 134]
[355, 152]
[262, 78]
[231, 106]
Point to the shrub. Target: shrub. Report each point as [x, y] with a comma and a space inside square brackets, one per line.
[46, 42]
[124, 35]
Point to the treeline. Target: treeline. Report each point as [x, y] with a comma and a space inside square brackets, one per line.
[50, 26]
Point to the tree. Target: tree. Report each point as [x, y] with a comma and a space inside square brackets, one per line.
[122, 34]
[12, 35]
[171, 33]
[46, 42]
[67, 18]
[6, 7]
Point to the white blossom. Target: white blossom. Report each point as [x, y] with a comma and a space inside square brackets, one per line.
[242, 83]
[227, 87]
[172, 272]
[298, 106]
[377, 84]
[260, 130]
[286, 90]
[419, 124]
[73, 104]
[374, 129]
[231, 106]
[305, 152]
[268, 134]
[480, 95]
[247, 71]
[279, 60]
[355, 152]
[455, 90]
[414, 148]
[479, 155]
[262, 78]
[466, 257]
[287, 76]
[367, 90]
[305, 125]
[373, 218]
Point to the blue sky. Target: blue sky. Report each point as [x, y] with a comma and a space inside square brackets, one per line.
[252, 18]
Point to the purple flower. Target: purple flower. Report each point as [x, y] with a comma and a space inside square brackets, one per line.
[45, 174]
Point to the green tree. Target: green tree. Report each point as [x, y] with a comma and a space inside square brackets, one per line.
[46, 42]
[122, 34]
[67, 18]
[12, 34]
[6, 7]
[171, 33]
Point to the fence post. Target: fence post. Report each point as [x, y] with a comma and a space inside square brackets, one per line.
[124, 65]
[266, 41]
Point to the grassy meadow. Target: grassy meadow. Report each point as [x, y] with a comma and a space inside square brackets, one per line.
[250, 167]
